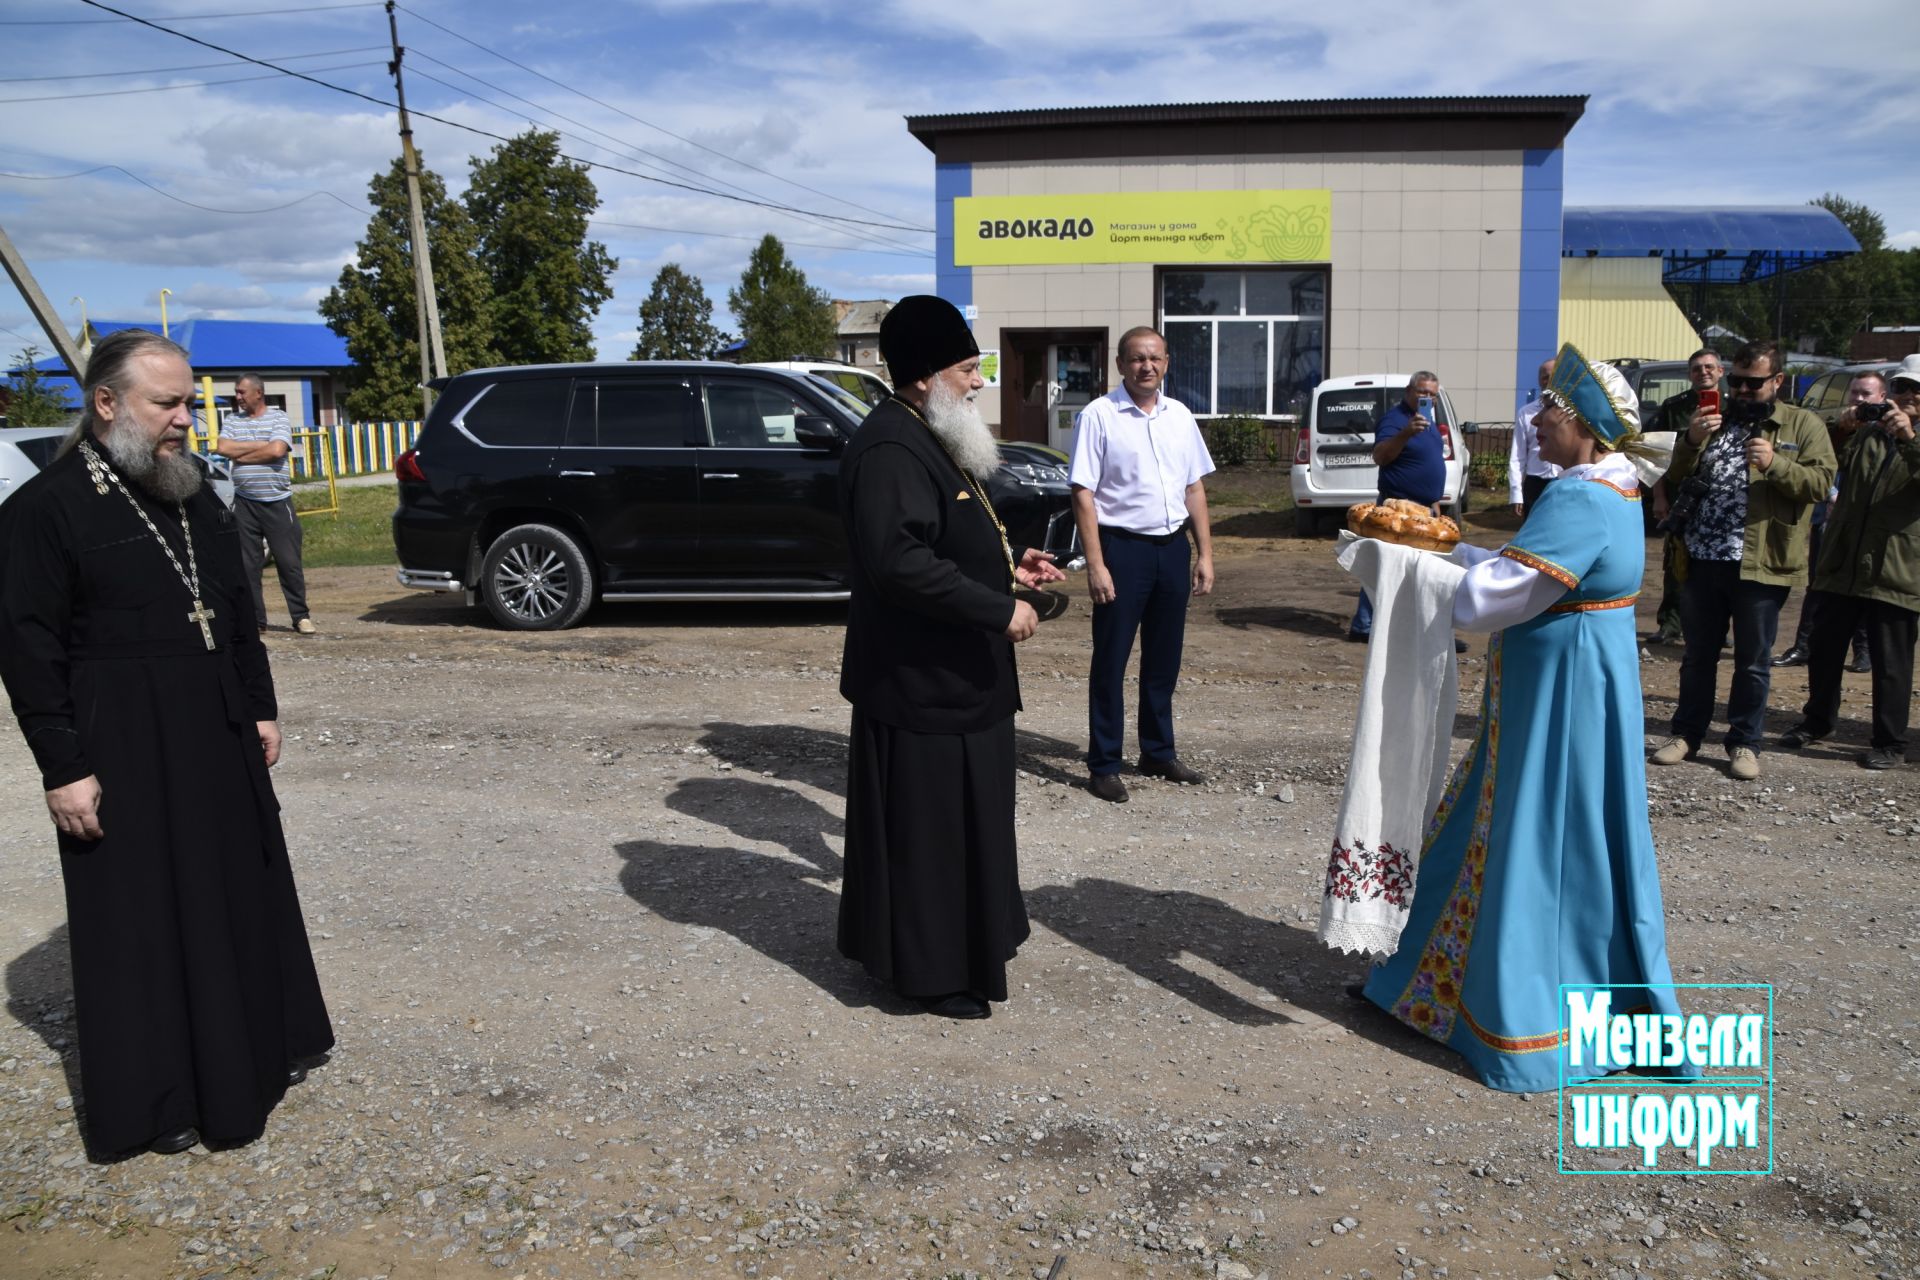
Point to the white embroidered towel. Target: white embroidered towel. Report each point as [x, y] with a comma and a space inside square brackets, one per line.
[1400, 735]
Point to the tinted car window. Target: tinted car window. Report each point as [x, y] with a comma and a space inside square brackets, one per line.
[524, 411]
[631, 413]
[40, 449]
[744, 415]
[1358, 409]
[1657, 388]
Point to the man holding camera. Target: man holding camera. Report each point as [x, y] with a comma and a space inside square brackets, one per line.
[1869, 570]
[1869, 389]
[1743, 485]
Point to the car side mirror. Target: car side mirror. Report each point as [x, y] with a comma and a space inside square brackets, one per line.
[815, 431]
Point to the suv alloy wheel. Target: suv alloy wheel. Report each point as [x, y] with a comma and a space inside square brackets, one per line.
[536, 578]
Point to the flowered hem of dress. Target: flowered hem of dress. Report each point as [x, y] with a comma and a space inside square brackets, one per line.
[1432, 997]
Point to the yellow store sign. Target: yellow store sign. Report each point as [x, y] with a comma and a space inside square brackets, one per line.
[1155, 226]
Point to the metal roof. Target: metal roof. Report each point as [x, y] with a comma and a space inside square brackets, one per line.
[239, 346]
[1703, 245]
[1566, 108]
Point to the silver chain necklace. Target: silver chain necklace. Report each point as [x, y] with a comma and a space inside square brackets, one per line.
[101, 473]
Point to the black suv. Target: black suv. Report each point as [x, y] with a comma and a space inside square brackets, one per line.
[536, 489]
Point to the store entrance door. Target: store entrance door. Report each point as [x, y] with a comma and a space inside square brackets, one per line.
[1051, 375]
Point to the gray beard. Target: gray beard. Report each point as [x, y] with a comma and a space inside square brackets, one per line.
[956, 421]
[173, 478]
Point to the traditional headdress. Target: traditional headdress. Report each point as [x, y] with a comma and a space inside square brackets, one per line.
[923, 334]
[1597, 395]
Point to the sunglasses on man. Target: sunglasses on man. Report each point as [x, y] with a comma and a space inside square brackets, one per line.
[1739, 382]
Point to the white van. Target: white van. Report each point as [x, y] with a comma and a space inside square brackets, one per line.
[1333, 460]
[869, 386]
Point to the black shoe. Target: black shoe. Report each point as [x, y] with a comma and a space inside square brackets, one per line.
[1108, 787]
[172, 1144]
[1794, 657]
[1359, 637]
[1173, 771]
[963, 1005]
[1459, 646]
[296, 1075]
[1356, 990]
[1883, 758]
[1862, 662]
[1798, 736]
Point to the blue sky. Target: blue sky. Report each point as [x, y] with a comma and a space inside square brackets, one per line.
[1691, 104]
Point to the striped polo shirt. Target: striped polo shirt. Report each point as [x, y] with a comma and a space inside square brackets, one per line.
[261, 481]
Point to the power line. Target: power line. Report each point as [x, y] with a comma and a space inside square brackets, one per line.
[195, 66]
[484, 133]
[728, 235]
[649, 124]
[624, 150]
[190, 17]
[167, 88]
[114, 168]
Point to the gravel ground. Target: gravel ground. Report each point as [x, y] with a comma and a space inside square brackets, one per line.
[572, 900]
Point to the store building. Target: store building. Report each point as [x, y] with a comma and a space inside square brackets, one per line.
[1274, 243]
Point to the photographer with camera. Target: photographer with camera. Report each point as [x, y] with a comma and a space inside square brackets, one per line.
[1869, 571]
[1867, 392]
[1743, 485]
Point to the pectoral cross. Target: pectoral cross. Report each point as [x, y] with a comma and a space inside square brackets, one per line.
[202, 615]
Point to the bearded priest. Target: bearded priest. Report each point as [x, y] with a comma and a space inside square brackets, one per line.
[931, 901]
[128, 648]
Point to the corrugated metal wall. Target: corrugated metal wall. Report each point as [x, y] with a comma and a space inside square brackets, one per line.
[1616, 308]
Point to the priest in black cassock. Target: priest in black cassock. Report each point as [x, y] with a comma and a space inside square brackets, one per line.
[128, 648]
[931, 899]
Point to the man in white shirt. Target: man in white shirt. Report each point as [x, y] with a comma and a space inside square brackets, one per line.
[1138, 459]
[1527, 472]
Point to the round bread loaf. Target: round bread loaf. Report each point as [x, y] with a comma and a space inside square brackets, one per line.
[1407, 523]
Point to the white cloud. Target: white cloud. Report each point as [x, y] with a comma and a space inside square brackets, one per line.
[1904, 240]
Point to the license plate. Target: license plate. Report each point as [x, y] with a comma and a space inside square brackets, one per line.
[1347, 460]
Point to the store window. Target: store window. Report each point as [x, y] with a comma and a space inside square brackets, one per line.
[1248, 341]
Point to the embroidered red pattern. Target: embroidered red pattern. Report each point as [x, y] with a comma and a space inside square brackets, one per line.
[1356, 874]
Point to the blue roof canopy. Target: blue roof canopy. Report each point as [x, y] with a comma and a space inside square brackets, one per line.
[1704, 245]
[239, 346]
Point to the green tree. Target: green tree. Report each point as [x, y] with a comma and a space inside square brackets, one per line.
[531, 209]
[781, 316]
[30, 401]
[676, 320]
[372, 306]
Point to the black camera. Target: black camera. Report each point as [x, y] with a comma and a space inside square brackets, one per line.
[1747, 413]
[1870, 412]
[1688, 496]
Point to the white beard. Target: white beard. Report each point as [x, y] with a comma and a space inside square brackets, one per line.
[170, 478]
[956, 420]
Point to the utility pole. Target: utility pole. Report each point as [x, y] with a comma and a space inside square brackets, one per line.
[433, 354]
[63, 344]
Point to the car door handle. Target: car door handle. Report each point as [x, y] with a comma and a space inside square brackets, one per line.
[719, 475]
[579, 473]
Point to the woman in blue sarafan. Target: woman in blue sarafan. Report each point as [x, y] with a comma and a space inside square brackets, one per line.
[1538, 868]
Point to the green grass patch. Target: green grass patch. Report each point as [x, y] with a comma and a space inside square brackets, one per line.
[361, 534]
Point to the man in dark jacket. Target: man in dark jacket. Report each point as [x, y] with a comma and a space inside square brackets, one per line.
[931, 900]
[1748, 478]
[1869, 571]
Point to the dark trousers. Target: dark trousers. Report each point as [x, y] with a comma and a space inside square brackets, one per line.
[1152, 579]
[1811, 603]
[275, 525]
[1531, 487]
[1713, 596]
[1891, 632]
[1673, 559]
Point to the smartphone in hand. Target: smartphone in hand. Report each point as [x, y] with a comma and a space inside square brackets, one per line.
[1710, 399]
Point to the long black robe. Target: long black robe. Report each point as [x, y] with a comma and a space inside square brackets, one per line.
[194, 987]
[931, 897]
